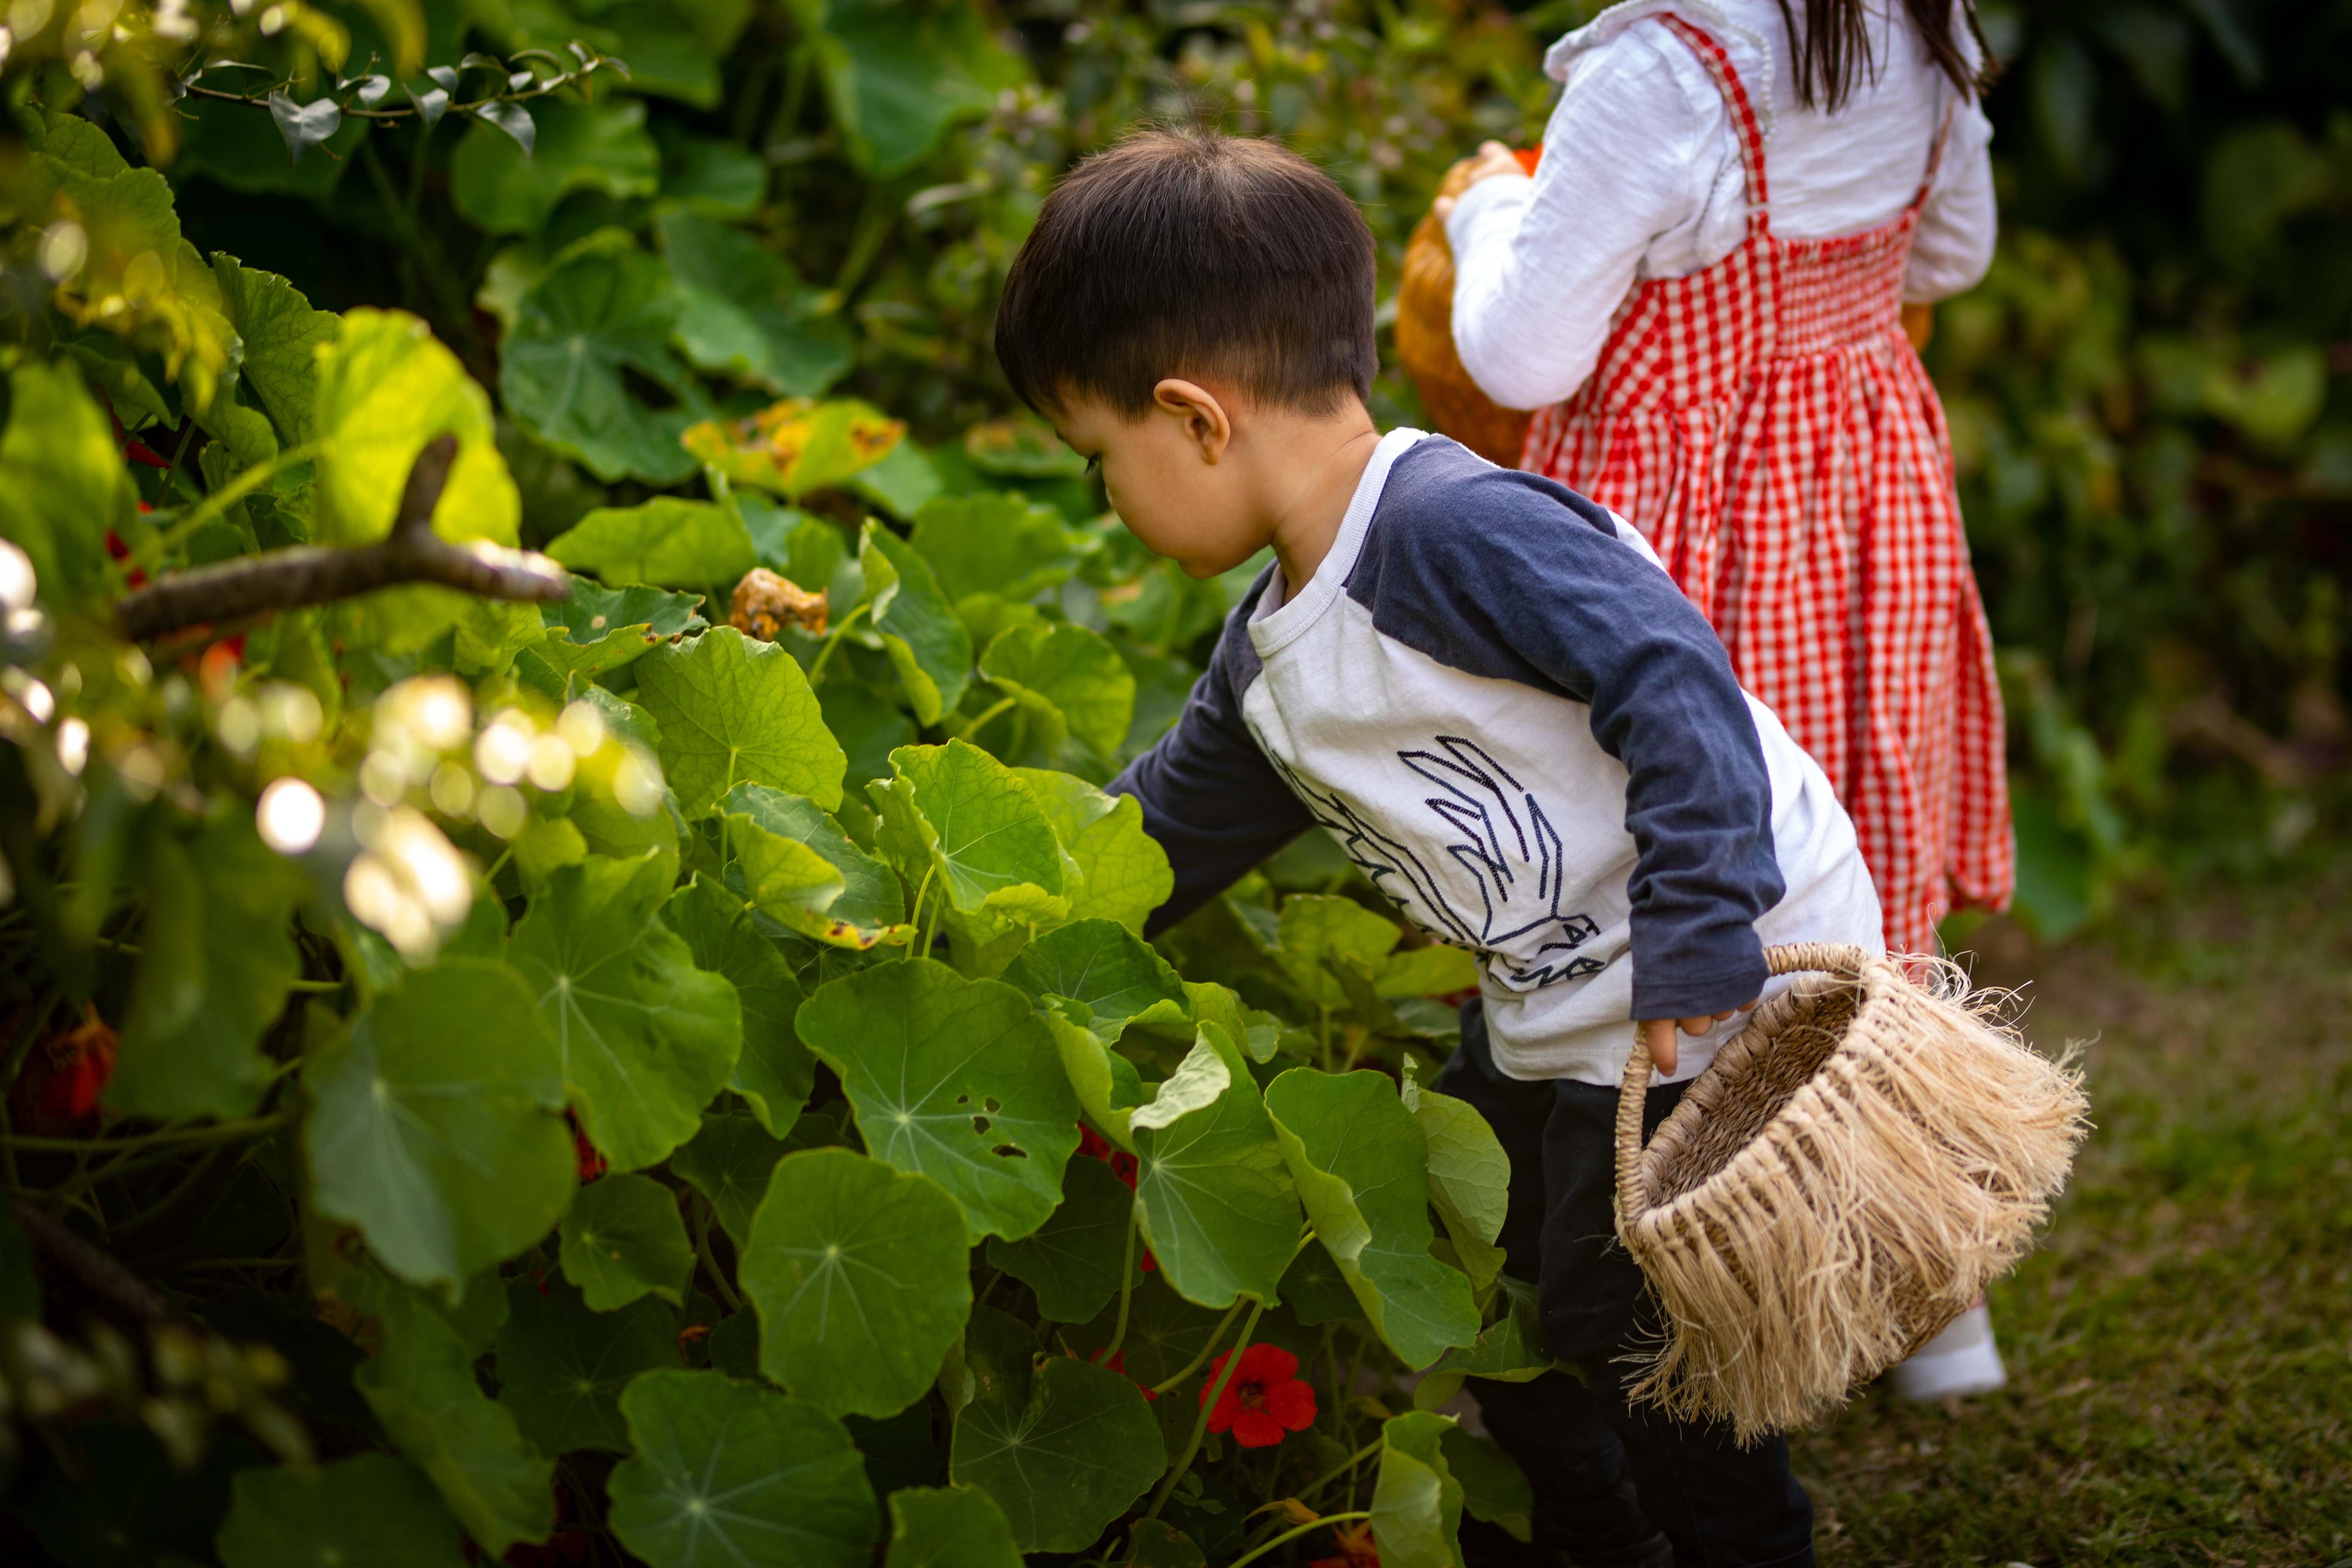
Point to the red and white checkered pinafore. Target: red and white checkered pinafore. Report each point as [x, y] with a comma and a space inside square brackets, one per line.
[1767, 425]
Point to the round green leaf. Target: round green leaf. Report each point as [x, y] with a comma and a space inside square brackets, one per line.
[645, 1039]
[1064, 1447]
[956, 1078]
[1073, 1261]
[949, 1527]
[604, 147]
[562, 1365]
[434, 1125]
[1469, 1177]
[862, 1279]
[667, 540]
[595, 314]
[1218, 1204]
[917, 625]
[1361, 1161]
[775, 1072]
[803, 870]
[371, 1510]
[1124, 874]
[733, 710]
[730, 1163]
[956, 810]
[742, 311]
[727, 1474]
[1069, 683]
[623, 1239]
[1103, 965]
[1003, 543]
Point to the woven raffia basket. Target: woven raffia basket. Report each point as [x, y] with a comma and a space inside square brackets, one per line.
[1837, 1187]
[1425, 337]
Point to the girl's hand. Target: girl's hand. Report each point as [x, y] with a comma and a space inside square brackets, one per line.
[1658, 1034]
[1493, 158]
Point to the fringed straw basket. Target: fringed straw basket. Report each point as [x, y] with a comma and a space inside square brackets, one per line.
[1838, 1185]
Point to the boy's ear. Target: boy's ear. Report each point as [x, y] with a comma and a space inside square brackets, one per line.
[1206, 424]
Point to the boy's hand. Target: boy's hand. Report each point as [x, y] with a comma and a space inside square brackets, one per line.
[1659, 1033]
[1493, 159]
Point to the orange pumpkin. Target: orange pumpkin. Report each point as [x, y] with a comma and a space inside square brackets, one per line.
[1424, 337]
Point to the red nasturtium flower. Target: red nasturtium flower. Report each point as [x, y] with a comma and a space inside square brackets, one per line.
[592, 1163]
[1264, 1401]
[57, 1091]
[1356, 1548]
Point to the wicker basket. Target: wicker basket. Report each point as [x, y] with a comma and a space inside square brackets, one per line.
[1838, 1185]
[1425, 337]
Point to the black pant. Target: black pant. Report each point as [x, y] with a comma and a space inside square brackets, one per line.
[1721, 1505]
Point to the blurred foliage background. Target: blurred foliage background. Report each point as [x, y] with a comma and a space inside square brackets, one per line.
[2148, 394]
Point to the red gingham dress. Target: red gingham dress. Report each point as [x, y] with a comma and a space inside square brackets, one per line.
[1768, 427]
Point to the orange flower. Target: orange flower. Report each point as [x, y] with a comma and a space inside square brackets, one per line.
[1356, 1548]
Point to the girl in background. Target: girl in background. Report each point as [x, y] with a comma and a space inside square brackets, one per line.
[1700, 291]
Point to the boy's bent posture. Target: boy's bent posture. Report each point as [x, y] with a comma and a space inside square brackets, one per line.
[1489, 693]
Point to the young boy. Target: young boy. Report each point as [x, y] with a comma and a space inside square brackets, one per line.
[1491, 695]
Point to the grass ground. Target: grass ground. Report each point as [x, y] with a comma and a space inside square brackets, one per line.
[2180, 1351]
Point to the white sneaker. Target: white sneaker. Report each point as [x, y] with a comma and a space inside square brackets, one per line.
[1961, 1360]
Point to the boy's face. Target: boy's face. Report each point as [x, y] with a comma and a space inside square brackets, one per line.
[1172, 476]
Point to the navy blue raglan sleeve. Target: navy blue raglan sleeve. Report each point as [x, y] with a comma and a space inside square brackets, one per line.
[1209, 796]
[1506, 575]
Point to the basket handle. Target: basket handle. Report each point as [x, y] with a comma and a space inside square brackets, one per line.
[1840, 958]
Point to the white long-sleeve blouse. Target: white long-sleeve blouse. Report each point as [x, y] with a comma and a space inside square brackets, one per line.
[1641, 178]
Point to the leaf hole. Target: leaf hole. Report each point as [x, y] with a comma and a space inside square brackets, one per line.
[966, 1100]
[979, 1125]
[1008, 1152]
[990, 1105]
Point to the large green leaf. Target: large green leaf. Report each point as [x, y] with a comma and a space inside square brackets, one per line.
[62, 482]
[1320, 934]
[1494, 1487]
[1064, 1447]
[594, 315]
[370, 1510]
[730, 1163]
[1361, 1161]
[1217, 1201]
[949, 1527]
[593, 630]
[733, 712]
[899, 78]
[502, 189]
[282, 336]
[1067, 682]
[645, 1039]
[666, 541]
[1003, 543]
[798, 868]
[744, 311]
[384, 389]
[1125, 873]
[623, 1239]
[422, 1389]
[219, 956]
[956, 1078]
[1073, 1261]
[435, 1126]
[775, 1071]
[562, 1363]
[861, 1277]
[1416, 1502]
[926, 644]
[1469, 1177]
[957, 820]
[729, 1473]
[1104, 967]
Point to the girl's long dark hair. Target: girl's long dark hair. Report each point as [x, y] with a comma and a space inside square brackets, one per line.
[1833, 49]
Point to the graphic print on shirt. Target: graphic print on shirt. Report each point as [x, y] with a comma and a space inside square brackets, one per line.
[1509, 849]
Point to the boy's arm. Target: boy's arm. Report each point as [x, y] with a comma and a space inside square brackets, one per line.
[1209, 796]
[1504, 574]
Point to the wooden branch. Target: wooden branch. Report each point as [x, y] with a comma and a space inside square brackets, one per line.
[95, 1271]
[318, 574]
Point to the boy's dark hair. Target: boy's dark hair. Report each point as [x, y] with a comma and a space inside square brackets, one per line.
[1189, 253]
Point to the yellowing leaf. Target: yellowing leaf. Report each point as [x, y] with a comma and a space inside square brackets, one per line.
[795, 445]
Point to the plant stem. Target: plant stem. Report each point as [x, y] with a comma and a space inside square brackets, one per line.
[1207, 1349]
[1336, 1471]
[1200, 1422]
[985, 714]
[191, 1138]
[1290, 1536]
[832, 638]
[1126, 1290]
[710, 1261]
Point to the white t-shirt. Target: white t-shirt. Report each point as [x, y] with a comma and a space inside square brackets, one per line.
[1642, 178]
